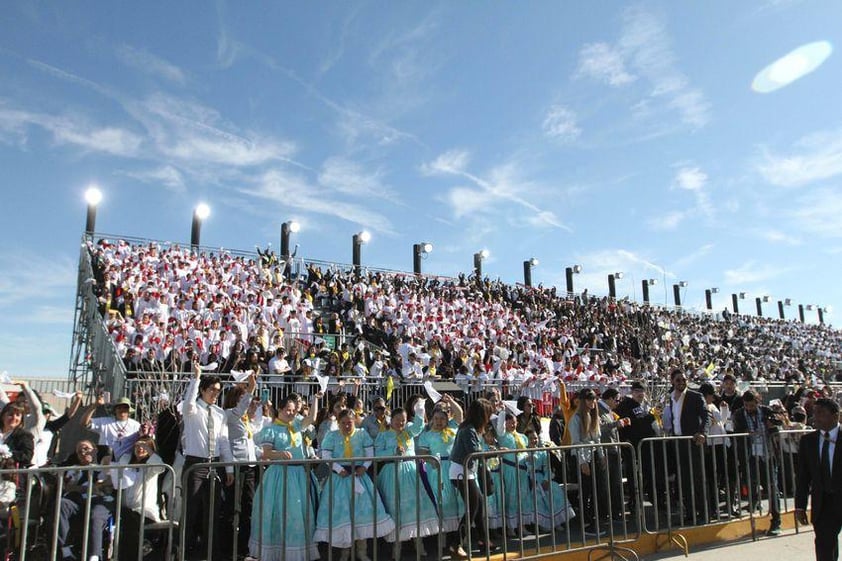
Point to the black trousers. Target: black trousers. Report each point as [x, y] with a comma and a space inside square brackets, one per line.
[202, 488]
[239, 499]
[475, 504]
[826, 525]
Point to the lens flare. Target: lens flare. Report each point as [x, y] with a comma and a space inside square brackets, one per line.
[792, 66]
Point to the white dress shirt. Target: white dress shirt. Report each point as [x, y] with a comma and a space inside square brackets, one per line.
[194, 441]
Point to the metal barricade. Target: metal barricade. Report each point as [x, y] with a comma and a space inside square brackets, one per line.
[728, 477]
[93, 509]
[549, 500]
[295, 514]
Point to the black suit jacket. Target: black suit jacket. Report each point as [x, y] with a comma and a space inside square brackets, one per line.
[809, 477]
[694, 414]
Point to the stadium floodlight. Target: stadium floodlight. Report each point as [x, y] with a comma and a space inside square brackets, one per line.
[93, 196]
[645, 284]
[200, 214]
[676, 292]
[527, 270]
[709, 298]
[356, 248]
[568, 273]
[287, 228]
[479, 257]
[612, 283]
[759, 303]
[418, 251]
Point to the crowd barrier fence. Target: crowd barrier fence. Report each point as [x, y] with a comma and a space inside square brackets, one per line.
[54, 507]
[544, 500]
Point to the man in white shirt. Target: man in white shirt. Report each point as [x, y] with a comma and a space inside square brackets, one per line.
[119, 432]
[204, 439]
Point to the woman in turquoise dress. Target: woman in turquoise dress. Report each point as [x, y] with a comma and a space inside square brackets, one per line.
[403, 493]
[438, 441]
[519, 501]
[553, 507]
[349, 483]
[493, 503]
[284, 512]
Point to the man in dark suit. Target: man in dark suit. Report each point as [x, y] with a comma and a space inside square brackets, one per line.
[757, 455]
[820, 476]
[687, 415]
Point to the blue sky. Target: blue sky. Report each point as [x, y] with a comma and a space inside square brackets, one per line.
[619, 137]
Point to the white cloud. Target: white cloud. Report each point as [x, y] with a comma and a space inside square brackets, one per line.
[151, 64]
[71, 130]
[191, 132]
[560, 123]
[644, 47]
[818, 213]
[752, 272]
[464, 201]
[293, 191]
[168, 176]
[813, 158]
[690, 179]
[667, 221]
[348, 177]
[776, 236]
[604, 63]
[452, 161]
[503, 184]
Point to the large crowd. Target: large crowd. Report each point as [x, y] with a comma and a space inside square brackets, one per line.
[166, 306]
[225, 324]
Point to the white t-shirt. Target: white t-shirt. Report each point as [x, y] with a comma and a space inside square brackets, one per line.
[118, 435]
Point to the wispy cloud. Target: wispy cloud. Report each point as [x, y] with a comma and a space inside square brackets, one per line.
[772, 235]
[667, 220]
[503, 184]
[752, 272]
[189, 131]
[34, 277]
[69, 129]
[604, 63]
[290, 190]
[147, 62]
[166, 176]
[818, 213]
[560, 124]
[813, 158]
[348, 177]
[693, 179]
[643, 54]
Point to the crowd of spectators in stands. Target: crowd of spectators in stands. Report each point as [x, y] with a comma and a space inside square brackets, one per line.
[166, 306]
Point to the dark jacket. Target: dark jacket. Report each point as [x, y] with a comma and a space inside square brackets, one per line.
[641, 421]
[809, 478]
[22, 445]
[695, 418]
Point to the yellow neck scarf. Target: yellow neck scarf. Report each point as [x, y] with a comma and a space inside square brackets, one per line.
[294, 436]
[403, 439]
[349, 450]
[247, 424]
[519, 441]
[447, 434]
[383, 425]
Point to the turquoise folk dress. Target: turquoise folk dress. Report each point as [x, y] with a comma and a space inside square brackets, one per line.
[404, 495]
[285, 501]
[440, 443]
[334, 523]
[553, 508]
[493, 503]
[519, 503]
